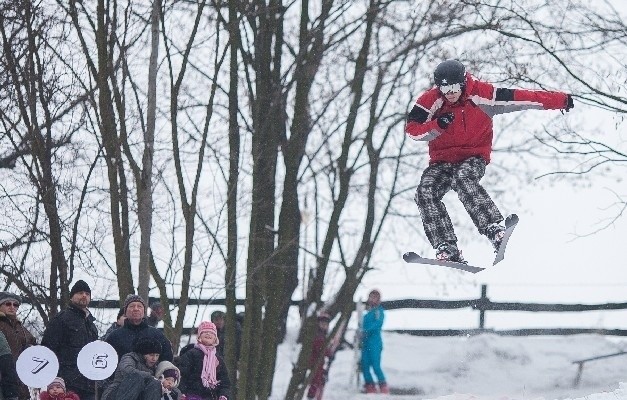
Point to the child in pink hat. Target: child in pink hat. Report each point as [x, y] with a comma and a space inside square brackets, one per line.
[56, 391]
[203, 372]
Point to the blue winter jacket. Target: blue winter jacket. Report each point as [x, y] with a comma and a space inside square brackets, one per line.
[373, 322]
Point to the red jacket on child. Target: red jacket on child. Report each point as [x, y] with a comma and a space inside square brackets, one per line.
[62, 396]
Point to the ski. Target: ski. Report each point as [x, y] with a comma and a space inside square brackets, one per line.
[510, 223]
[412, 257]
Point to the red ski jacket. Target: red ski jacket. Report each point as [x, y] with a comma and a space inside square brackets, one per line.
[470, 133]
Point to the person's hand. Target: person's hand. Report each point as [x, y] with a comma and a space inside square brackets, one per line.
[445, 120]
[222, 398]
[569, 102]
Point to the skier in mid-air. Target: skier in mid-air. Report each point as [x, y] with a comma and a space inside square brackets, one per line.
[455, 117]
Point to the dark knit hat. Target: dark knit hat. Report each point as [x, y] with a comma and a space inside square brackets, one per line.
[171, 373]
[146, 345]
[80, 286]
[133, 298]
[7, 296]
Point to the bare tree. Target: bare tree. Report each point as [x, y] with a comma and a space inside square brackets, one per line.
[32, 117]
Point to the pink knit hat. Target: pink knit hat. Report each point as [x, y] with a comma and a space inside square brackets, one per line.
[207, 326]
[57, 382]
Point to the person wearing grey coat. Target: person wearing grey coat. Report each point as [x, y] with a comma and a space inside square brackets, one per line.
[134, 378]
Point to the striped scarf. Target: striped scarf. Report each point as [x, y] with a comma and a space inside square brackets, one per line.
[209, 366]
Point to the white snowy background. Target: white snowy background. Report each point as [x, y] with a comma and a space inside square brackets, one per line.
[485, 366]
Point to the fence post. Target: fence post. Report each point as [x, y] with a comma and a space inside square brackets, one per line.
[484, 290]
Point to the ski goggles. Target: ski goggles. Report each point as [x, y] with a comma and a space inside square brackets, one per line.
[454, 88]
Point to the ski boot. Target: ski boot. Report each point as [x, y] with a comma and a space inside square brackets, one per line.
[448, 251]
[384, 388]
[495, 232]
[370, 388]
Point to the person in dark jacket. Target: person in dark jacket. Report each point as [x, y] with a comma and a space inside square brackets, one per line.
[134, 376]
[156, 314]
[9, 381]
[18, 337]
[119, 322]
[204, 375]
[135, 326]
[67, 333]
[455, 117]
[219, 320]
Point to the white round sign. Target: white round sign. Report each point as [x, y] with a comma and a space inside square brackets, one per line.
[97, 360]
[37, 366]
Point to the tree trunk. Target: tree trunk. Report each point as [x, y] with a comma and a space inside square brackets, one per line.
[230, 272]
[144, 191]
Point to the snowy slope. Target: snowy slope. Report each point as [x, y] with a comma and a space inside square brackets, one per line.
[481, 367]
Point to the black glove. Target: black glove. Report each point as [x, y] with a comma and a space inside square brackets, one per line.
[569, 102]
[445, 120]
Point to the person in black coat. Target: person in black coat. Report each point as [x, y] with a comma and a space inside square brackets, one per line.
[67, 333]
[203, 372]
[135, 326]
[9, 382]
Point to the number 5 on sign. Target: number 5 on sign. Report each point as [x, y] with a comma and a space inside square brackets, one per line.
[37, 366]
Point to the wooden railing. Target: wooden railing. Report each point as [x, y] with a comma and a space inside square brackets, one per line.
[482, 305]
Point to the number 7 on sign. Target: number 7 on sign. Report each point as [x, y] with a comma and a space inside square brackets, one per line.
[41, 364]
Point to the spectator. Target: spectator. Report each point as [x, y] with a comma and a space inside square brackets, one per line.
[56, 391]
[134, 377]
[119, 322]
[67, 333]
[135, 327]
[219, 319]
[372, 344]
[18, 337]
[9, 381]
[316, 361]
[156, 314]
[170, 377]
[203, 371]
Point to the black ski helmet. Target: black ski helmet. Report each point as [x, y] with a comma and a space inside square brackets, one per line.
[449, 72]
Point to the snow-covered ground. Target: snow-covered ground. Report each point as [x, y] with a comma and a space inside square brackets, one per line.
[480, 367]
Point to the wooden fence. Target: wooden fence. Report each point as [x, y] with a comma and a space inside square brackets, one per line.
[482, 305]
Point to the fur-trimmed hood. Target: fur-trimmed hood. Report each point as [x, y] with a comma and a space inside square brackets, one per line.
[165, 365]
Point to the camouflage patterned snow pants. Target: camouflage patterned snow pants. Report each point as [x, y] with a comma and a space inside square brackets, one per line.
[463, 178]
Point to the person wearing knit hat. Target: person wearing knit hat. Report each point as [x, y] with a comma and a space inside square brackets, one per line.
[146, 345]
[134, 376]
[80, 286]
[17, 336]
[56, 391]
[203, 370]
[169, 376]
[67, 333]
[135, 326]
[8, 296]
[134, 298]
